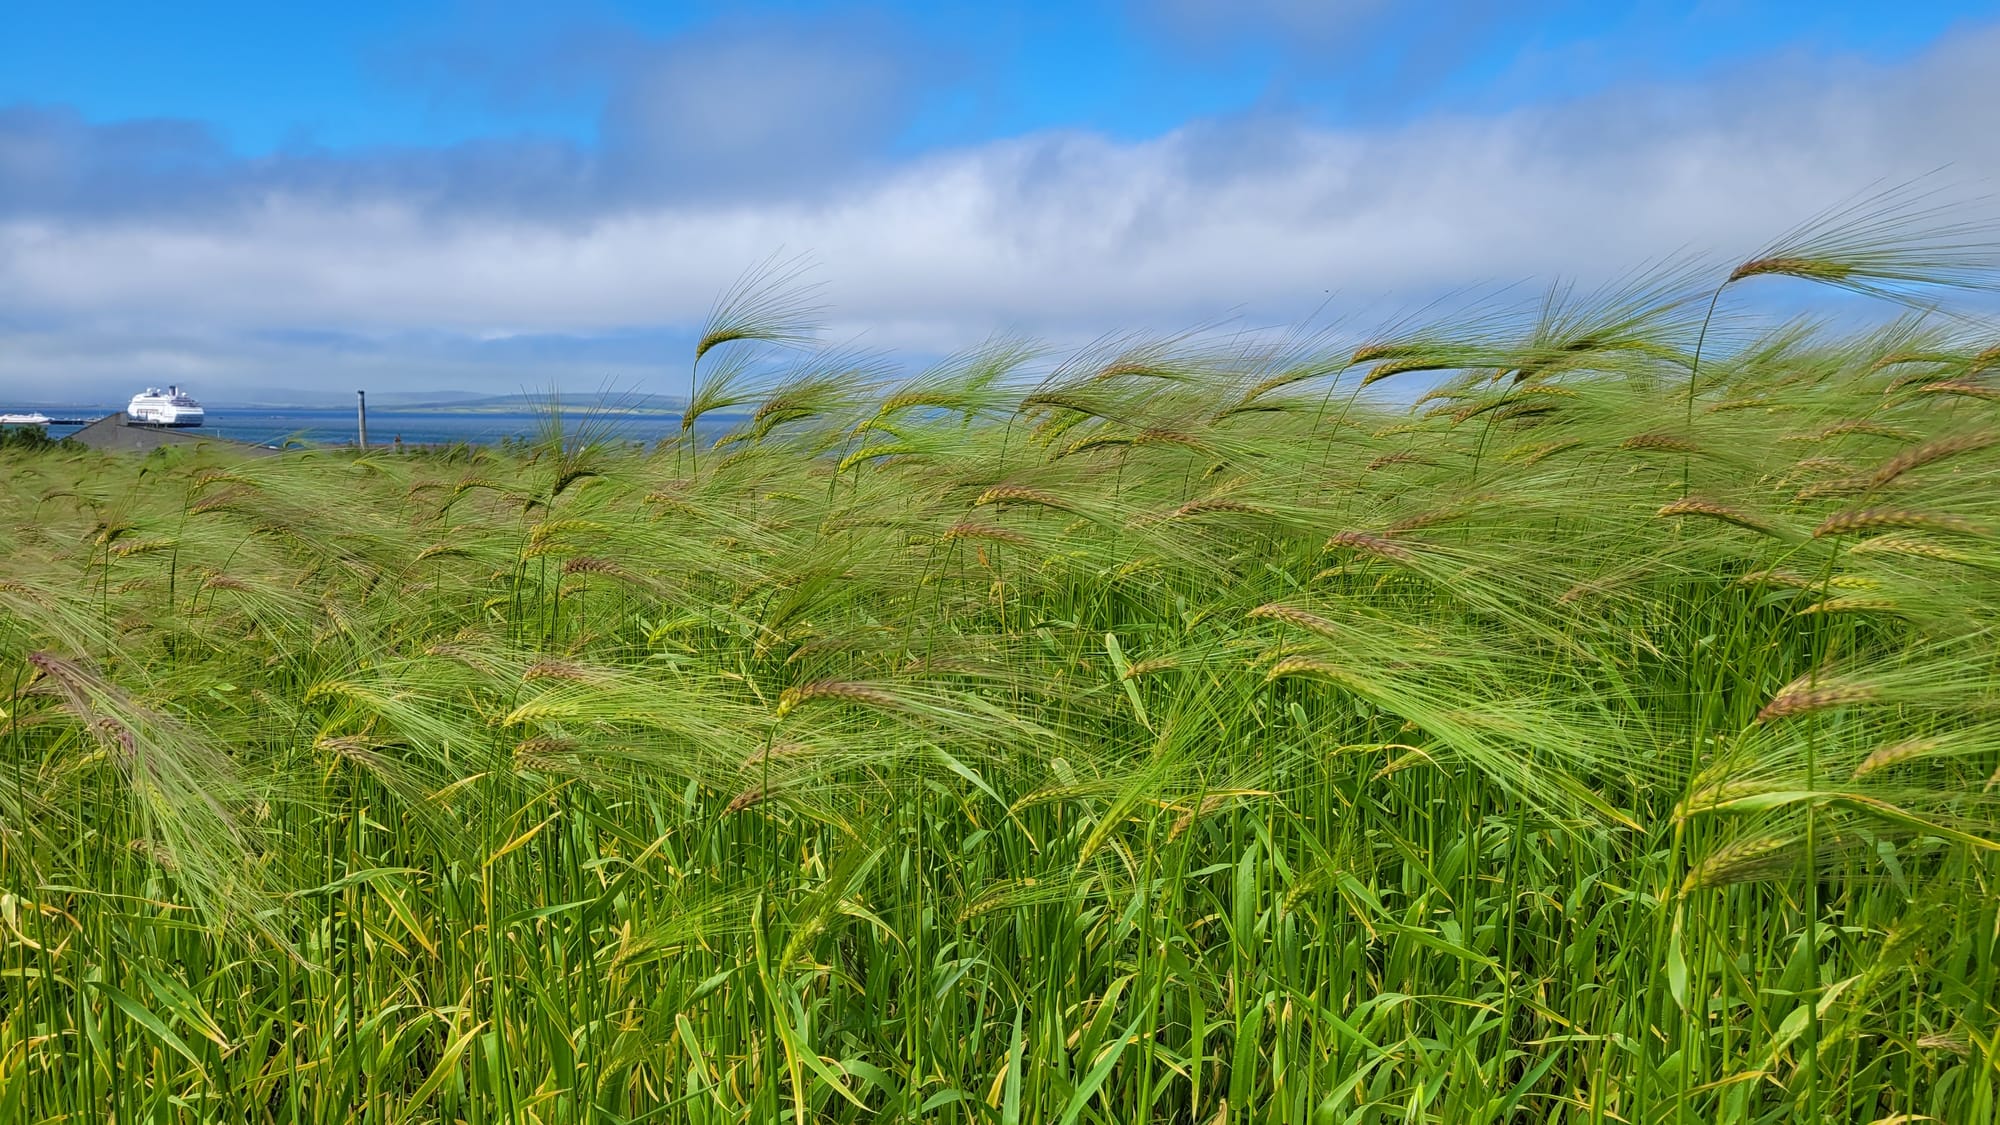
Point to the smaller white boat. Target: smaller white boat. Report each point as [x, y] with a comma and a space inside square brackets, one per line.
[171, 407]
[37, 419]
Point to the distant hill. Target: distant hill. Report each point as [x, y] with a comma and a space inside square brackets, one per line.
[474, 403]
[618, 403]
[447, 402]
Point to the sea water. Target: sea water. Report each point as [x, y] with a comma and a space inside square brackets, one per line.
[332, 426]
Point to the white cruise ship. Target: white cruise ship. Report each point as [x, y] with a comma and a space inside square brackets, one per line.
[171, 407]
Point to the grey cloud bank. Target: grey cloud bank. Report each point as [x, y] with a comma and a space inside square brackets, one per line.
[145, 248]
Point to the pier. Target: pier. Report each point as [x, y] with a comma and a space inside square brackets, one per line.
[115, 433]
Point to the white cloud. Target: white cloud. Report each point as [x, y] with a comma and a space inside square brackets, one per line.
[1062, 233]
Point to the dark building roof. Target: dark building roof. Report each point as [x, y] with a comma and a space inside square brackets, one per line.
[110, 434]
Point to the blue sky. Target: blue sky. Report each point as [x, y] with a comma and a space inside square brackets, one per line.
[270, 76]
[494, 195]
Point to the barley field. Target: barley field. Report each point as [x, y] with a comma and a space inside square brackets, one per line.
[1190, 731]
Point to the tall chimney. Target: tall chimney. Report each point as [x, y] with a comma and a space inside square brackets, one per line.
[361, 416]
